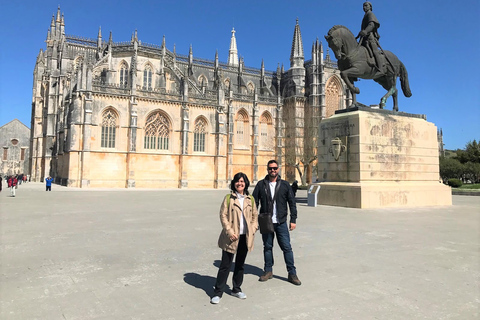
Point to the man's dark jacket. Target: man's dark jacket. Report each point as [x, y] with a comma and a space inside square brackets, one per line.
[283, 195]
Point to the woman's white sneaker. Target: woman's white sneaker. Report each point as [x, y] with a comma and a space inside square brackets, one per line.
[215, 300]
[239, 295]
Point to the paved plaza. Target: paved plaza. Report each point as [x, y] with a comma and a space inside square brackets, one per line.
[152, 254]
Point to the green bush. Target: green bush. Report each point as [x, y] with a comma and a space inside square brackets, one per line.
[455, 183]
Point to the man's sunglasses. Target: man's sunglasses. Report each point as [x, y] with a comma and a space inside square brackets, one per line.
[272, 168]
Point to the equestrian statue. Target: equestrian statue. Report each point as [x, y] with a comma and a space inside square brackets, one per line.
[366, 59]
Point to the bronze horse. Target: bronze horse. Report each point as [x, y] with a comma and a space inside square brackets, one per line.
[353, 64]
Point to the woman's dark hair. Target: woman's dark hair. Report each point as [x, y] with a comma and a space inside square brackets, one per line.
[236, 178]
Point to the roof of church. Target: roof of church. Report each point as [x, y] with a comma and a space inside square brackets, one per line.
[13, 121]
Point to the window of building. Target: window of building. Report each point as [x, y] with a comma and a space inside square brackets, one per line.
[242, 129]
[250, 87]
[14, 142]
[203, 82]
[147, 78]
[78, 65]
[124, 75]
[22, 154]
[333, 96]
[157, 132]
[199, 134]
[267, 140]
[109, 126]
[5, 154]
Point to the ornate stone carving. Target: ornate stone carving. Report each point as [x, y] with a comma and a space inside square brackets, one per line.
[337, 148]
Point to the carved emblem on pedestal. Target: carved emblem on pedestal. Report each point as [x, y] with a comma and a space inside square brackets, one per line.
[337, 148]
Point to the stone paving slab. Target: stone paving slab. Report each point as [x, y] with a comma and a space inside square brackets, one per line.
[151, 254]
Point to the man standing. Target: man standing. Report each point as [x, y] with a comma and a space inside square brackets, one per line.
[273, 194]
[369, 35]
[49, 183]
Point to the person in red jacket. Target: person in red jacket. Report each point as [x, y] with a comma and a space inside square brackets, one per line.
[12, 184]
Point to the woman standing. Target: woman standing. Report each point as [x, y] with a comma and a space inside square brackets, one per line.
[238, 215]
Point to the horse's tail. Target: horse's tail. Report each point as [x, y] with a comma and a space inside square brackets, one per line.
[404, 81]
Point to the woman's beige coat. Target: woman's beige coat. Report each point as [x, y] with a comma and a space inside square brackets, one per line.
[230, 219]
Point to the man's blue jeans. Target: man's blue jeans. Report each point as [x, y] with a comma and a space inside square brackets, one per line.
[283, 239]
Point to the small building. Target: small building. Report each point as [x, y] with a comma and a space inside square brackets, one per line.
[15, 142]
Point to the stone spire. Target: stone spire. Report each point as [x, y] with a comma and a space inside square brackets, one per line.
[52, 28]
[59, 16]
[99, 37]
[62, 25]
[233, 53]
[296, 56]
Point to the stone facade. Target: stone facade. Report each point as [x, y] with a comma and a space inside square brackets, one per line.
[370, 158]
[132, 114]
[15, 142]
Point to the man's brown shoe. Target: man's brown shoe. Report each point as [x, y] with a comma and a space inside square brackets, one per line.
[265, 276]
[292, 278]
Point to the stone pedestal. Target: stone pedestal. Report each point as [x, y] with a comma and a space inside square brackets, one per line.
[370, 158]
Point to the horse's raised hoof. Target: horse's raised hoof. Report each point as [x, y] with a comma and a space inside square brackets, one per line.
[356, 90]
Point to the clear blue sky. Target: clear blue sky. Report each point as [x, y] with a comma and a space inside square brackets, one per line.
[438, 41]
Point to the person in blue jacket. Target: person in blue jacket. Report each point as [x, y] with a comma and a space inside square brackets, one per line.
[48, 181]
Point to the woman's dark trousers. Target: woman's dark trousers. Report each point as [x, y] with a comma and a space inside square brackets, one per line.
[224, 269]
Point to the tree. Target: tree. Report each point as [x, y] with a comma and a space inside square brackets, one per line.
[450, 168]
[301, 131]
[472, 171]
[470, 154]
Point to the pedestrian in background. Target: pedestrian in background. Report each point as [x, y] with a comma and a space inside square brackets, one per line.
[12, 184]
[48, 182]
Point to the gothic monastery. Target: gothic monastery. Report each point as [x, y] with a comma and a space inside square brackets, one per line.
[131, 114]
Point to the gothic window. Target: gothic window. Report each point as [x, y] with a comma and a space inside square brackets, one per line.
[5, 154]
[250, 87]
[147, 78]
[109, 127]
[267, 139]
[123, 75]
[22, 154]
[242, 129]
[157, 132]
[77, 65]
[199, 134]
[333, 96]
[202, 81]
[103, 76]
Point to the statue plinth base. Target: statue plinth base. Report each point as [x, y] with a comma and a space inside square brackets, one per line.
[370, 158]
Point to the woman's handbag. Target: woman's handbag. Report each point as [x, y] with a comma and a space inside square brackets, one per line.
[265, 223]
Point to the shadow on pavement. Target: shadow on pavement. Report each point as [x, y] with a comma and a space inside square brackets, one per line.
[301, 200]
[199, 281]
[249, 269]
[206, 283]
